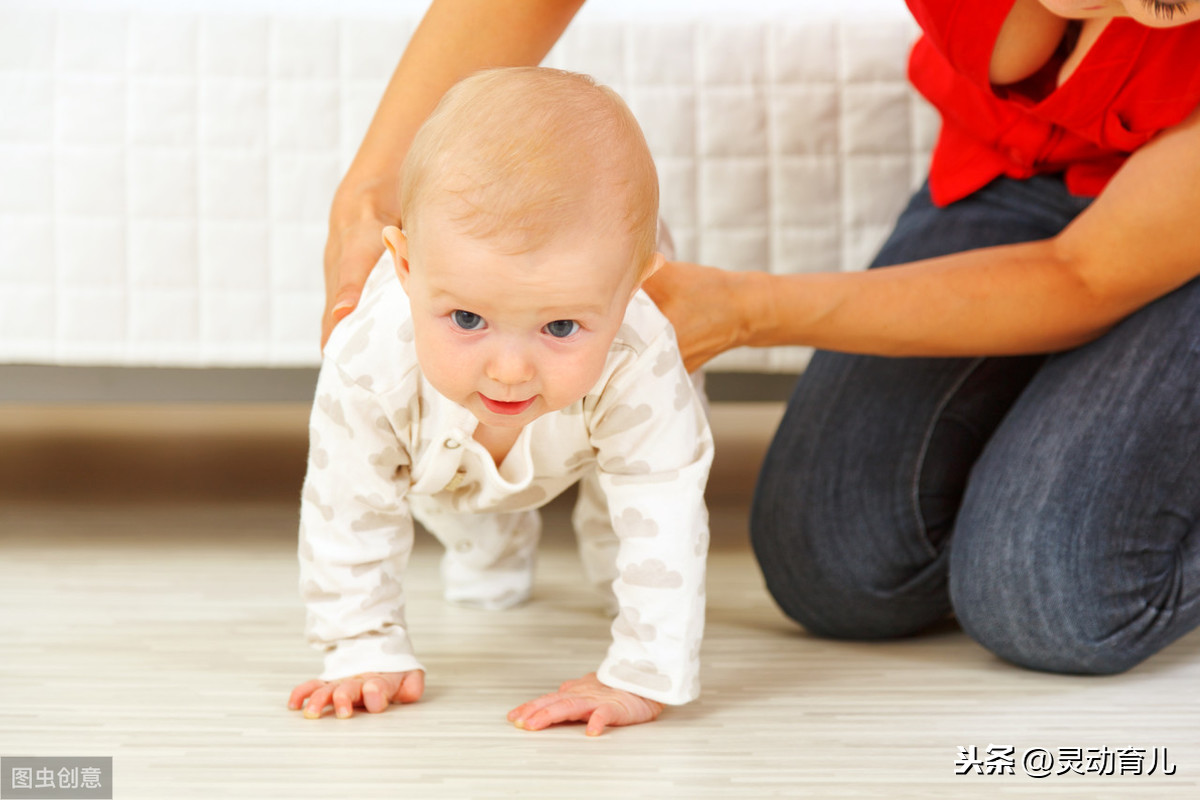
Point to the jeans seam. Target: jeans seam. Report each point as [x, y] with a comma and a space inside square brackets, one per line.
[924, 451]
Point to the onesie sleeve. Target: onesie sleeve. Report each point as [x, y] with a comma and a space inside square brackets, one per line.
[654, 450]
[356, 532]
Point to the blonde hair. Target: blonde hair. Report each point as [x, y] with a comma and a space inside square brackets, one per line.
[528, 151]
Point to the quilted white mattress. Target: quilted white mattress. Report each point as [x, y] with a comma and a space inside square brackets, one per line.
[166, 168]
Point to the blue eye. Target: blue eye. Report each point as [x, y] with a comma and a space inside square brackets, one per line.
[467, 321]
[562, 328]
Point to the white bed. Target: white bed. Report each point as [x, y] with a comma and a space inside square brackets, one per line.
[166, 167]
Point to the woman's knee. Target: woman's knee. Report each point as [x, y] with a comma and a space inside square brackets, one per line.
[1051, 611]
[827, 569]
[1043, 642]
[833, 523]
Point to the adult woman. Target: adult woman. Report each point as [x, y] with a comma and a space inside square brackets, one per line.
[935, 460]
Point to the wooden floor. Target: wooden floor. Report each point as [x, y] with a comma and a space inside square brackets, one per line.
[149, 612]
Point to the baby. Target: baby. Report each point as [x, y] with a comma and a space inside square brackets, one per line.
[508, 355]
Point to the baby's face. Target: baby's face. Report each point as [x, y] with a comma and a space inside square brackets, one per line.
[512, 337]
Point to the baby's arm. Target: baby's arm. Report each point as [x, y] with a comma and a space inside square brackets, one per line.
[355, 540]
[654, 449]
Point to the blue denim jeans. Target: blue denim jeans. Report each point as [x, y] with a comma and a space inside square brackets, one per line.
[1050, 503]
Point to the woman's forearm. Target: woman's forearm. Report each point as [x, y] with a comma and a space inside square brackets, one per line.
[1024, 298]
[1134, 243]
[455, 38]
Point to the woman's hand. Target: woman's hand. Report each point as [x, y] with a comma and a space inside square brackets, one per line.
[374, 691]
[707, 307]
[353, 248]
[585, 700]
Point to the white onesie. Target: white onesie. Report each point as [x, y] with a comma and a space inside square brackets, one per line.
[385, 446]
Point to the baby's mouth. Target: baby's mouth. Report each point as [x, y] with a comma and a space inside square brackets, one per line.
[506, 408]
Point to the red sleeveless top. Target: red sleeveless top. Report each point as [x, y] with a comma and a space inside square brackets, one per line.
[1134, 82]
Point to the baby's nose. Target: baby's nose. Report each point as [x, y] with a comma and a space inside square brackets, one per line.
[510, 364]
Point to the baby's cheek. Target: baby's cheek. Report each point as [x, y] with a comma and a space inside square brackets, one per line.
[573, 378]
[443, 365]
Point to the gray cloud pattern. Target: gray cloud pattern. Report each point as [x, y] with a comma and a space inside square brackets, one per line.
[642, 673]
[632, 523]
[629, 623]
[652, 574]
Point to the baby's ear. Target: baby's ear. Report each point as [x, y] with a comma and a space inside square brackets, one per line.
[397, 244]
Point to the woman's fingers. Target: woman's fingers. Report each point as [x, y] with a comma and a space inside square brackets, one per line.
[349, 261]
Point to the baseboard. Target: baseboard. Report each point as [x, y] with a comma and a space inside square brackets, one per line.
[39, 384]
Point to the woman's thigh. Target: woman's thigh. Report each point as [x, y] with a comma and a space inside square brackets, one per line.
[1077, 548]
[862, 483]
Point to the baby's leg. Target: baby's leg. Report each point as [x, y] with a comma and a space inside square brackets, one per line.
[489, 560]
[598, 542]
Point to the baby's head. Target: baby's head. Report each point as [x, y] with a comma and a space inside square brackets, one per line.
[517, 156]
[530, 207]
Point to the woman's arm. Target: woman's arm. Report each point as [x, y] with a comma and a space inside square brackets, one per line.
[455, 38]
[1136, 242]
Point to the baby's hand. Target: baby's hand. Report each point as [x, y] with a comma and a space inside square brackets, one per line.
[585, 699]
[374, 691]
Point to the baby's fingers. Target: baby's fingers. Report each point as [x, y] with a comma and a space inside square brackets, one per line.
[561, 709]
[315, 705]
[412, 686]
[379, 690]
[601, 718]
[300, 693]
[522, 712]
[377, 694]
[346, 694]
